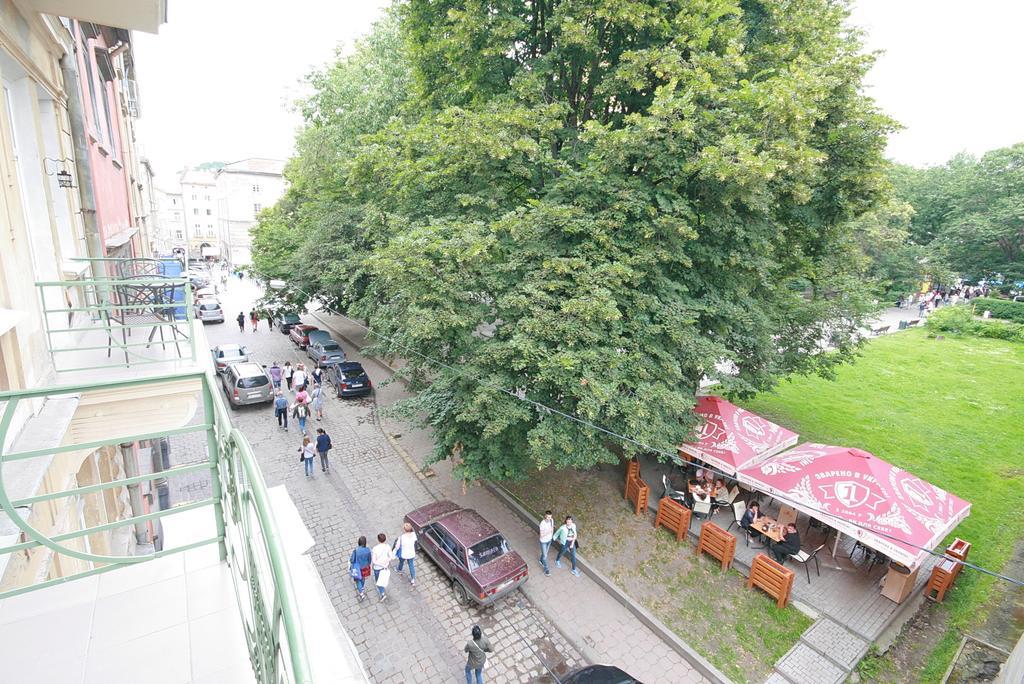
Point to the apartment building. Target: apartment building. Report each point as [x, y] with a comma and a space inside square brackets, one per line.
[245, 188]
[200, 206]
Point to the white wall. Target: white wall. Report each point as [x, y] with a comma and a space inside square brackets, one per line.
[244, 195]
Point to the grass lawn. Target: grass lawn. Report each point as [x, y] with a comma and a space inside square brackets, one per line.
[950, 411]
[740, 631]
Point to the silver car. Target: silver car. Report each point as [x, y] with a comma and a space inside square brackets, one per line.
[325, 352]
[226, 354]
[208, 310]
[247, 383]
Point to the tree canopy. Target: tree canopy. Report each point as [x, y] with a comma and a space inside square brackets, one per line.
[590, 205]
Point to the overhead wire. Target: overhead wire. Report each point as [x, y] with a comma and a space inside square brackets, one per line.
[545, 409]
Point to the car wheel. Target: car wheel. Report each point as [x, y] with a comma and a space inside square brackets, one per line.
[460, 593]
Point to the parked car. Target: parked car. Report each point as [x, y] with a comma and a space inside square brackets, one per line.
[319, 336]
[469, 550]
[325, 352]
[206, 292]
[349, 379]
[226, 354]
[599, 674]
[300, 334]
[208, 310]
[247, 383]
[285, 323]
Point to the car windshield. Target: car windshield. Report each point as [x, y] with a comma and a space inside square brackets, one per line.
[487, 550]
[251, 382]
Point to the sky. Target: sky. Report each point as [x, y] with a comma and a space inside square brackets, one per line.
[217, 82]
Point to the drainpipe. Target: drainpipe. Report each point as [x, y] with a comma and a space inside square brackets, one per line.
[131, 469]
[76, 115]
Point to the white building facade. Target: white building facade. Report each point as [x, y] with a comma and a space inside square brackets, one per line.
[199, 201]
[170, 210]
[245, 188]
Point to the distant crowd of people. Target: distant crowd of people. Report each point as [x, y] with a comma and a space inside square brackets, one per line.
[933, 299]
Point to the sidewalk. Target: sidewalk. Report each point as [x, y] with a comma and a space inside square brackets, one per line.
[601, 627]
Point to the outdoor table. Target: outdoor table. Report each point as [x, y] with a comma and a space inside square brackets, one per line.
[693, 490]
[774, 531]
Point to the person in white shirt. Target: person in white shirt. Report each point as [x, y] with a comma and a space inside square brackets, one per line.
[405, 551]
[299, 378]
[547, 531]
[380, 559]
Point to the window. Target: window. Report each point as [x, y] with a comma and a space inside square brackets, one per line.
[195, 212]
[256, 188]
[207, 198]
[195, 196]
[178, 235]
[209, 233]
[90, 77]
[209, 212]
[209, 225]
[177, 216]
[256, 207]
[487, 550]
[196, 226]
[174, 200]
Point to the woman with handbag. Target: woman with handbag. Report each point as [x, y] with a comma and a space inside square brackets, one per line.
[359, 566]
[381, 560]
[306, 453]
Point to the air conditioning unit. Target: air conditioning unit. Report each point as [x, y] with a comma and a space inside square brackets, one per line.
[131, 98]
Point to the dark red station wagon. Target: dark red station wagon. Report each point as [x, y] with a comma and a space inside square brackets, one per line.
[469, 550]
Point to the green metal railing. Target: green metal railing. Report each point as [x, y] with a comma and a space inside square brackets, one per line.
[246, 534]
[117, 306]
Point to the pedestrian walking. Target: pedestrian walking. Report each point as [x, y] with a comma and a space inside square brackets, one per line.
[275, 375]
[299, 377]
[281, 410]
[359, 567]
[318, 402]
[300, 412]
[568, 537]
[286, 371]
[270, 321]
[380, 560]
[478, 647]
[405, 551]
[306, 455]
[317, 375]
[241, 321]
[323, 445]
[239, 276]
[547, 532]
[254, 319]
[302, 396]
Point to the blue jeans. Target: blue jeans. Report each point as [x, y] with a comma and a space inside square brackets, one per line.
[544, 546]
[412, 566]
[302, 423]
[308, 464]
[376, 574]
[572, 553]
[360, 583]
[479, 675]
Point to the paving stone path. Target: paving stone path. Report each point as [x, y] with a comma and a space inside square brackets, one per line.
[418, 634]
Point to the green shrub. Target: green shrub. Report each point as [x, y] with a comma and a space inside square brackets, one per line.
[1000, 308]
[959, 320]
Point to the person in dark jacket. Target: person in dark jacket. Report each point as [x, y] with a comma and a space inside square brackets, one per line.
[323, 445]
[478, 647]
[750, 517]
[241, 321]
[789, 546]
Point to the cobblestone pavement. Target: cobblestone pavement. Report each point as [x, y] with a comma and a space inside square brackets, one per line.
[417, 635]
[604, 629]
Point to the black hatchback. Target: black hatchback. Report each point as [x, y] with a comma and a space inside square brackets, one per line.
[349, 379]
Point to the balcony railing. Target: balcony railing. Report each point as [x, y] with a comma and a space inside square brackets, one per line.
[246, 533]
[84, 318]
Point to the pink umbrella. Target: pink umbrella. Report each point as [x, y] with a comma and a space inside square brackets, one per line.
[862, 496]
[731, 438]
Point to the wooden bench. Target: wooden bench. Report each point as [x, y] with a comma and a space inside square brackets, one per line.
[947, 570]
[772, 578]
[638, 492]
[673, 515]
[632, 471]
[717, 543]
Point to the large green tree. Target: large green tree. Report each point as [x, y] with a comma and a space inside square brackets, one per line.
[591, 205]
